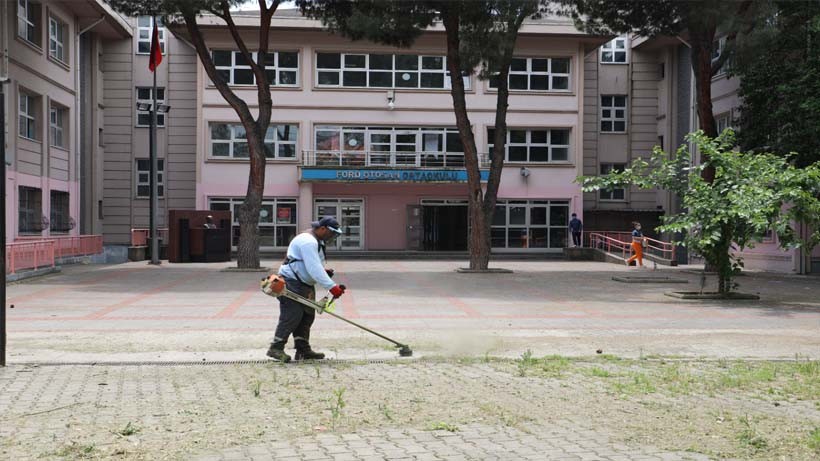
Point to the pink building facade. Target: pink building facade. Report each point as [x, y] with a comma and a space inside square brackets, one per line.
[366, 133]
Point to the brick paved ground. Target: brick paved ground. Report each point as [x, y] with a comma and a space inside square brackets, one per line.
[138, 312]
[134, 312]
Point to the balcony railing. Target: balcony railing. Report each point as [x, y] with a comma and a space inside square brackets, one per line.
[373, 159]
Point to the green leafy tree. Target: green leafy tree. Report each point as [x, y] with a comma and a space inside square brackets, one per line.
[182, 16]
[696, 22]
[751, 194]
[479, 34]
[779, 70]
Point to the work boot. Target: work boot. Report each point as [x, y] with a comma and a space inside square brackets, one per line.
[278, 354]
[309, 354]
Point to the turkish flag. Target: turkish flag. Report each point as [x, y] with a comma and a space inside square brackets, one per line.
[156, 50]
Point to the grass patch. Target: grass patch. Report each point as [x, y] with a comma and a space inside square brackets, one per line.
[550, 366]
[634, 383]
[442, 426]
[128, 430]
[77, 451]
[813, 439]
[749, 437]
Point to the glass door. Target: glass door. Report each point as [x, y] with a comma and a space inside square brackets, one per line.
[350, 214]
[381, 148]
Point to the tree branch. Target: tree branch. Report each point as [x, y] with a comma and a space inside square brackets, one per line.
[258, 71]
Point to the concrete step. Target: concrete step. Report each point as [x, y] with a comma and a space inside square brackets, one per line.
[425, 255]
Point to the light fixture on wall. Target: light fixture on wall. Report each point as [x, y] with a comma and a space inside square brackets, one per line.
[525, 172]
[391, 100]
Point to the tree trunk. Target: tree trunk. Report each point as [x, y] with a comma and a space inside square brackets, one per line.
[702, 40]
[247, 255]
[479, 242]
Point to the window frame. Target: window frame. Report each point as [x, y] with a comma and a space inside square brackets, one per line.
[60, 41]
[726, 118]
[56, 126]
[30, 22]
[147, 183]
[529, 144]
[27, 119]
[272, 202]
[612, 47]
[26, 212]
[272, 130]
[150, 29]
[529, 73]
[367, 70]
[528, 205]
[160, 116]
[62, 217]
[606, 168]
[233, 67]
[612, 118]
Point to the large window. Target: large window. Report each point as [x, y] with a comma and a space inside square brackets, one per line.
[145, 29]
[60, 214]
[530, 224]
[613, 114]
[537, 74]
[27, 120]
[618, 193]
[57, 120]
[28, 21]
[387, 146]
[144, 96]
[281, 67]
[614, 51]
[29, 210]
[144, 178]
[230, 141]
[534, 145]
[56, 39]
[383, 71]
[277, 220]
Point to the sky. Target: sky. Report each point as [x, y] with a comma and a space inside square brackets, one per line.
[254, 5]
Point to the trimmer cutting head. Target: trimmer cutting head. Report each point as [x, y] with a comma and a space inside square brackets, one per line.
[405, 351]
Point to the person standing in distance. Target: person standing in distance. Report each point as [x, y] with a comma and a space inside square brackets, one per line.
[303, 269]
[576, 227]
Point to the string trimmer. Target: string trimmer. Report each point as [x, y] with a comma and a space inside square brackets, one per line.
[274, 285]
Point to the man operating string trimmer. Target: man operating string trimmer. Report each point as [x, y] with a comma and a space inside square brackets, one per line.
[304, 268]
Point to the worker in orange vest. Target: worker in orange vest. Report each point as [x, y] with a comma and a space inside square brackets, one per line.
[638, 241]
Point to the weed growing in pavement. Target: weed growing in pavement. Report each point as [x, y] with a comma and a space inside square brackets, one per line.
[256, 388]
[813, 440]
[77, 451]
[598, 372]
[337, 404]
[749, 437]
[525, 362]
[129, 429]
[442, 426]
[634, 383]
[388, 415]
[318, 371]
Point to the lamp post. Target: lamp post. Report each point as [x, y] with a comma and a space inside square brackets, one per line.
[3, 81]
[152, 154]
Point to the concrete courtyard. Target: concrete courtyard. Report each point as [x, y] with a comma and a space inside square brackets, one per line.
[140, 362]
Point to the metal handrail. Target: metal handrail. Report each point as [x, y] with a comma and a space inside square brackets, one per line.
[659, 248]
[379, 159]
[69, 245]
[29, 255]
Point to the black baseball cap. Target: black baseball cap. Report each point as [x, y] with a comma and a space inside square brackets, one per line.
[329, 222]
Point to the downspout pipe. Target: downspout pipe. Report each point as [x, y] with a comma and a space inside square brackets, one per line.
[78, 115]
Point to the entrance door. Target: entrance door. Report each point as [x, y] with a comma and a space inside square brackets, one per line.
[350, 214]
[414, 227]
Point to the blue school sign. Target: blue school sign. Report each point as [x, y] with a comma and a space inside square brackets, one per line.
[415, 176]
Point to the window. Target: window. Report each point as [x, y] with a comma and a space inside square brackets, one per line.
[724, 121]
[28, 116]
[144, 116]
[383, 71]
[60, 214]
[387, 146]
[281, 68]
[534, 145]
[718, 48]
[145, 29]
[144, 178]
[56, 39]
[277, 220]
[614, 51]
[28, 21]
[56, 122]
[29, 214]
[230, 141]
[530, 224]
[612, 194]
[537, 74]
[613, 114]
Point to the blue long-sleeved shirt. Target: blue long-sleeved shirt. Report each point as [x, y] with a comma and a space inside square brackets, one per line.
[308, 262]
[575, 225]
